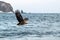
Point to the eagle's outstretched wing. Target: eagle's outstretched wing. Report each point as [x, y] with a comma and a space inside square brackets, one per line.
[18, 16]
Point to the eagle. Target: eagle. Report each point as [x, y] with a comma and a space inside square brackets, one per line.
[20, 19]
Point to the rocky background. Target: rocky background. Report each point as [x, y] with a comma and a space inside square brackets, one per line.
[5, 7]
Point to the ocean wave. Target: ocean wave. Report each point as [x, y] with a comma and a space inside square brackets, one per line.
[38, 24]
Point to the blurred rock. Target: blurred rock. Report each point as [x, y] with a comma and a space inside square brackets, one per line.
[5, 7]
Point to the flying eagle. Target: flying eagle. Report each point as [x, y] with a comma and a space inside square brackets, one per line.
[20, 18]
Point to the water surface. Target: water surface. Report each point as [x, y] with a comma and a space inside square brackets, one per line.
[40, 27]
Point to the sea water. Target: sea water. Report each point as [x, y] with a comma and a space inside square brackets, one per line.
[40, 26]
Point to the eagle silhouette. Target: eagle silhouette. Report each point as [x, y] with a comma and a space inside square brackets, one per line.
[20, 18]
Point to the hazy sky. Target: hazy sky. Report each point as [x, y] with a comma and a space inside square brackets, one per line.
[36, 6]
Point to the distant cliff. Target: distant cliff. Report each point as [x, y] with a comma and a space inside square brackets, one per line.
[5, 7]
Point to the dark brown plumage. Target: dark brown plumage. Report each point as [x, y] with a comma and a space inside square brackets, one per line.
[20, 18]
